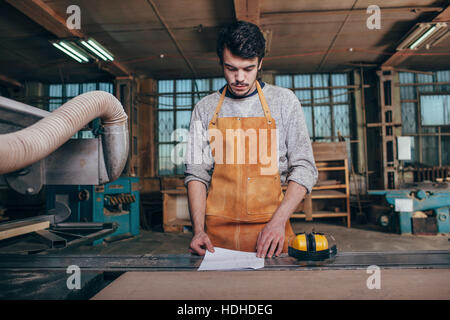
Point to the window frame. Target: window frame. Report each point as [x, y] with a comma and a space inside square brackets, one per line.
[173, 94]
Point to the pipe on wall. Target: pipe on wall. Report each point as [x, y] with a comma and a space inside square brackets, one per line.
[29, 145]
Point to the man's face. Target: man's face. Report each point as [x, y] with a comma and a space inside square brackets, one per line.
[240, 73]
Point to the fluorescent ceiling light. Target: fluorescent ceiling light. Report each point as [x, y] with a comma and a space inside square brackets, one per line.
[74, 51]
[98, 54]
[422, 37]
[98, 49]
[67, 52]
[83, 50]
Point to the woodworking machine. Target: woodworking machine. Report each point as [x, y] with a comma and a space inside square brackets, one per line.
[86, 199]
[420, 197]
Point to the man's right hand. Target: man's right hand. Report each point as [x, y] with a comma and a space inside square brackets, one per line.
[199, 242]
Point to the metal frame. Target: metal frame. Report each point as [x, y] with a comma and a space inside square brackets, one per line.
[174, 109]
[188, 262]
[416, 101]
[331, 104]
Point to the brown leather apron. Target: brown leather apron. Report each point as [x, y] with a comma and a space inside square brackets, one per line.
[242, 199]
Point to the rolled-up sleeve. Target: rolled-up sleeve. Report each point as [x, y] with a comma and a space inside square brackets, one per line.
[198, 161]
[301, 165]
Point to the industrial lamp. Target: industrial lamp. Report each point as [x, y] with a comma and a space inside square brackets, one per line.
[83, 50]
[424, 35]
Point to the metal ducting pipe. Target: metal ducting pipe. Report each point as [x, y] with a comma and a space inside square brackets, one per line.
[27, 146]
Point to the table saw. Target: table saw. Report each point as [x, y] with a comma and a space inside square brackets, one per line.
[403, 275]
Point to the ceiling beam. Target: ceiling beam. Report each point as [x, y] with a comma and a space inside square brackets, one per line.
[248, 10]
[360, 11]
[444, 16]
[400, 56]
[9, 81]
[49, 19]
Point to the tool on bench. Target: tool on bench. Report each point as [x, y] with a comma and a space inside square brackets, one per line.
[313, 246]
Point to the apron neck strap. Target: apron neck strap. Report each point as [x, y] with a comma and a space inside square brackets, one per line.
[219, 105]
[262, 99]
[264, 104]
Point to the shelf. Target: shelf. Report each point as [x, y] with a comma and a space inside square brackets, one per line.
[328, 194]
[330, 168]
[332, 186]
[321, 214]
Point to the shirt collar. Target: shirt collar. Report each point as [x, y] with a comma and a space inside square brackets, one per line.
[230, 94]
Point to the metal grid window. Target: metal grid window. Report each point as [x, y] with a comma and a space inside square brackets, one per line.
[425, 99]
[325, 100]
[61, 93]
[176, 100]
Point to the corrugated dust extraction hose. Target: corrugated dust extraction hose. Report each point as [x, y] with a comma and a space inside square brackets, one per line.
[29, 145]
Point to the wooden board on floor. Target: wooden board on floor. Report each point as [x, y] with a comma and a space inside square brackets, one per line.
[16, 229]
[433, 284]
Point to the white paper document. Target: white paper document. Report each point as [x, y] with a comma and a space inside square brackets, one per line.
[224, 259]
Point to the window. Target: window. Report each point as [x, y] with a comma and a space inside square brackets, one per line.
[325, 100]
[425, 104]
[435, 110]
[176, 99]
[61, 93]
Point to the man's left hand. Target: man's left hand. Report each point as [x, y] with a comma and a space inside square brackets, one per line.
[270, 238]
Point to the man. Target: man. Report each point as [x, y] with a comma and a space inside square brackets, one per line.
[238, 204]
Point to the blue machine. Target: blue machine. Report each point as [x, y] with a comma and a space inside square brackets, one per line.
[117, 201]
[426, 197]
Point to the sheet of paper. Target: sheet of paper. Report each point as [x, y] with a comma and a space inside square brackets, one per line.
[404, 145]
[225, 259]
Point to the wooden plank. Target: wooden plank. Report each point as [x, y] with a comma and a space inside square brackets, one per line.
[173, 228]
[16, 229]
[175, 191]
[168, 183]
[248, 10]
[330, 168]
[175, 210]
[147, 131]
[328, 194]
[337, 186]
[322, 182]
[328, 151]
[432, 284]
[321, 214]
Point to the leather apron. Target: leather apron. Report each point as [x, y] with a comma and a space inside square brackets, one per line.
[241, 200]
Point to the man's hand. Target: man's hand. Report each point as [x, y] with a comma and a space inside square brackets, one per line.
[270, 238]
[199, 242]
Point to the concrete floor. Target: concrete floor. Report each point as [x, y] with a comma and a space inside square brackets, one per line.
[358, 238]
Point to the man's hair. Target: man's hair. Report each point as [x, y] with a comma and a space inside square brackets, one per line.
[243, 39]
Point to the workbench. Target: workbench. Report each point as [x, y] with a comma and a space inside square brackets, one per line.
[404, 275]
